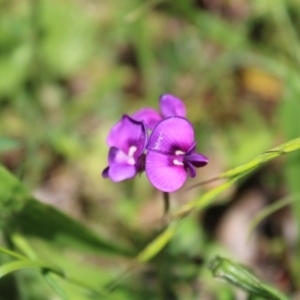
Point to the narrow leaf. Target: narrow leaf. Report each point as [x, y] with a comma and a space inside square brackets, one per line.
[24, 214]
[12, 253]
[240, 277]
[285, 148]
[24, 264]
[54, 285]
[153, 248]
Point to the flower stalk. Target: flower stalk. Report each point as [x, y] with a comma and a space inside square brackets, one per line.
[166, 197]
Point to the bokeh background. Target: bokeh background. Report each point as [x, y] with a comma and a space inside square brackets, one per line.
[69, 69]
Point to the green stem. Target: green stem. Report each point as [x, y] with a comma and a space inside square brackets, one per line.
[166, 197]
[12, 253]
[22, 244]
[21, 264]
[277, 295]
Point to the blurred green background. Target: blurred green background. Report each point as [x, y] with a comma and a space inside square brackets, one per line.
[69, 69]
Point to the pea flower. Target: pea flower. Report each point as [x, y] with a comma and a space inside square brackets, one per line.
[172, 154]
[169, 106]
[127, 141]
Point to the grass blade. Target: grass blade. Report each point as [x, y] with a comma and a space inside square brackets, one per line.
[24, 264]
[54, 285]
[240, 277]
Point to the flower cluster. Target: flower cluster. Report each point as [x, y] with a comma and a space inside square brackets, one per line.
[168, 155]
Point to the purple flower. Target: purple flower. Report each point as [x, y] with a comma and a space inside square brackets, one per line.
[169, 106]
[127, 141]
[172, 154]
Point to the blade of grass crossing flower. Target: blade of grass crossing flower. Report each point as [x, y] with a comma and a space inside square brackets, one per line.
[236, 174]
[285, 148]
[159, 242]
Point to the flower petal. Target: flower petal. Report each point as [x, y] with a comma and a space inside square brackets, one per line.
[197, 159]
[192, 149]
[163, 173]
[149, 116]
[127, 133]
[105, 172]
[171, 106]
[174, 135]
[191, 169]
[118, 172]
[117, 156]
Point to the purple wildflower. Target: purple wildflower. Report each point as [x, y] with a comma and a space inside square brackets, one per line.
[127, 141]
[172, 154]
[169, 106]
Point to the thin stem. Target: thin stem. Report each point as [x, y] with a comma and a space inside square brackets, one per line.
[203, 182]
[166, 197]
[11, 253]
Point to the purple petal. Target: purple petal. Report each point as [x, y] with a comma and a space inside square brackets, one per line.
[163, 173]
[119, 172]
[171, 106]
[192, 148]
[117, 156]
[174, 135]
[105, 172]
[140, 163]
[149, 116]
[198, 160]
[127, 133]
[191, 169]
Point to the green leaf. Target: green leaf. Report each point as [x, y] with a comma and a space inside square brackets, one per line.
[153, 248]
[288, 109]
[54, 285]
[20, 212]
[27, 263]
[240, 277]
[12, 253]
[22, 244]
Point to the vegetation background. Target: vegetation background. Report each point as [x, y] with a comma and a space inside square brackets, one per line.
[69, 69]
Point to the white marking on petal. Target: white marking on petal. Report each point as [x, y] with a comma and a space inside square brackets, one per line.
[179, 152]
[131, 151]
[158, 142]
[177, 162]
[131, 161]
